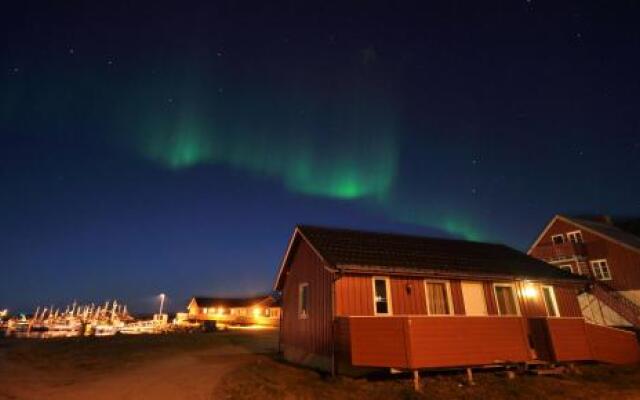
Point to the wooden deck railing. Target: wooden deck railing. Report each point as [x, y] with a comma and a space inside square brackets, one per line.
[414, 342]
[411, 342]
[573, 339]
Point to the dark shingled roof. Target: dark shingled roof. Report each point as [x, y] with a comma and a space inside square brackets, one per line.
[608, 230]
[368, 250]
[265, 300]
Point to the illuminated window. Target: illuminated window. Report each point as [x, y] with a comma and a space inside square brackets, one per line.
[601, 270]
[575, 237]
[381, 303]
[557, 239]
[303, 300]
[205, 310]
[506, 299]
[550, 303]
[438, 297]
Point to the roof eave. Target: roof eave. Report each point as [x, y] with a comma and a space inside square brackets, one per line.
[366, 269]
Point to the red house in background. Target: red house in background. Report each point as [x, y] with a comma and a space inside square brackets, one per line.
[606, 254]
[355, 299]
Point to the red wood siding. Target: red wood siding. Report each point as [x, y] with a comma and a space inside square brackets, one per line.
[313, 334]
[623, 262]
[567, 299]
[354, 297]
[457, 297]
[408, 296]
[448, 341]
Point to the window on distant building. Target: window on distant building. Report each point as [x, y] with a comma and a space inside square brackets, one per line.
[557, 239]
[438, 297]
[205, 310]
[550, 303]
[381, 291]
[575, 237]
[567, 267]
[601, 270]
[303, 300]
[506, 299]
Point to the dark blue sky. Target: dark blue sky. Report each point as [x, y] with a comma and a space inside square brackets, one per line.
[171, 147]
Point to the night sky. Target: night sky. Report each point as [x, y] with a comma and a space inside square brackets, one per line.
[172, 146]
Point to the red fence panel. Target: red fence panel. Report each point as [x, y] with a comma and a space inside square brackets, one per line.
[612, 345]
[431, 342]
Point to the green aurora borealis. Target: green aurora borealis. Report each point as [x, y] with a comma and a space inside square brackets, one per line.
[355, 160]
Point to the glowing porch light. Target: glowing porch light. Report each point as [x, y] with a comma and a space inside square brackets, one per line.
[256, 311]
[529, 291]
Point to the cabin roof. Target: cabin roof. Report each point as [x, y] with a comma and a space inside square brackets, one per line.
[238, 302]
[363, 251]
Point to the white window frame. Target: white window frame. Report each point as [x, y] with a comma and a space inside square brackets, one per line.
[301, 287]
[388, 289]
[598, 263]
[573, 233]
[564, 267]
[564, 240]
[447, 293]
[554, 302]
[514, 290]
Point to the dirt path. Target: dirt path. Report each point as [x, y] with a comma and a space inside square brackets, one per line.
[193, 375]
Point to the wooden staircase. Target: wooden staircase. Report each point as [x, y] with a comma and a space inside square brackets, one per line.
[617, 302]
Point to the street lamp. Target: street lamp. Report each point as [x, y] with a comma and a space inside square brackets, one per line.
[161, 302]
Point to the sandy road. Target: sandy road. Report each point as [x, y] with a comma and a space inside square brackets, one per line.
[189, 375]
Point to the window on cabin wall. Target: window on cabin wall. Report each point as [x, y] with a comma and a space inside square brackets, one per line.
[303, 301]
[438, 297]
[506, 299]
[474, 298]
[381, 291]
[601, 270]
[550, 303]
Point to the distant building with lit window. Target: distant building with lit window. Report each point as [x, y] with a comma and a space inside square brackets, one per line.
[260, 310]
[605, 251]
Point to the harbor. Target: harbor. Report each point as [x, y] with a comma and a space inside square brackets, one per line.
[77, 320]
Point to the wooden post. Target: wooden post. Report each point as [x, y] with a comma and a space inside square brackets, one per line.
[470, 377]
[416, 381]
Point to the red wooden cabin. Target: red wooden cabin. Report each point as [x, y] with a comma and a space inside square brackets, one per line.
[603, 252]
[362, 299]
